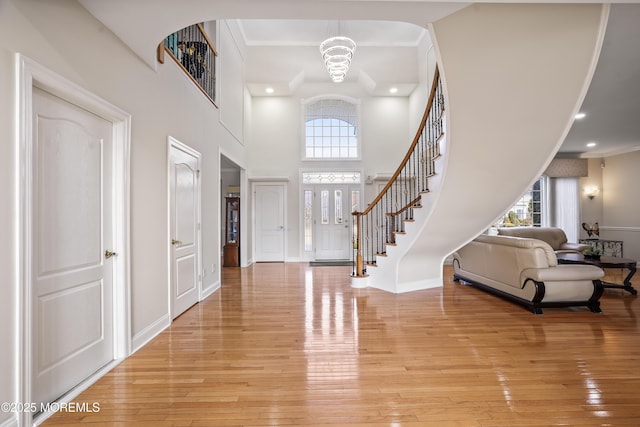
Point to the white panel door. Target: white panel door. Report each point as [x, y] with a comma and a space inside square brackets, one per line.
[184, 201]
[332, 222]
[72, 294]
[269, 219]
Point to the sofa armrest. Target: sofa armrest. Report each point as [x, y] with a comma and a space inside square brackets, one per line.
[563, 273]
[573, 247]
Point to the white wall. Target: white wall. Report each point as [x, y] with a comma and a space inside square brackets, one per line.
[9, 20]
[418, 100]
[65, 38]
[616, 207]
[591, 210]
[276, 148]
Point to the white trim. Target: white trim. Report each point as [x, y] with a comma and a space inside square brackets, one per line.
[29, 74]
[311, 255]
[209, 290]
[11, 422]
[624, 229]
[73, 393]
[173, 143]
[150, 332]
[269, 178]
[284, 213]
[220, 77]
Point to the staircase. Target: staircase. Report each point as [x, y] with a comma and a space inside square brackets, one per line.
[501, 104]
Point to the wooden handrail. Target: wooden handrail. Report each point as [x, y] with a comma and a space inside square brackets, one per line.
[410, 205]
[187, 45]
[377, 225]
[423, 122]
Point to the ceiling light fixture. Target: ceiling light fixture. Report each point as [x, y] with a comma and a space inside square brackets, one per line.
[337, 53]
[393, 90]
[580, 116]
[591, 144]
[269, 90]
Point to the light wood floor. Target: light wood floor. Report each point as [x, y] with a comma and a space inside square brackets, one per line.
[287, 344]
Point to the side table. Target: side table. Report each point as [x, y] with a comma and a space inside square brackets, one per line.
[604, 262]
[609, 247]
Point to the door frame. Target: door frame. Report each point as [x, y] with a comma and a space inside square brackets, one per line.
[317, 208]
[173, 143]
[30, 74]
[311, 255]
[280, 183]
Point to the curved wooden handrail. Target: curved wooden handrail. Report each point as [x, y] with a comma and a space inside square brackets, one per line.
[407, 156]
[403, 192]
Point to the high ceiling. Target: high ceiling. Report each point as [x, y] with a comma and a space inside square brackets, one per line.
[612, 104]
[283, 54]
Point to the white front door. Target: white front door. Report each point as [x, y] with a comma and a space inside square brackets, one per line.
[184, 217]
[269, 220]
[72, 254]
[332, 222]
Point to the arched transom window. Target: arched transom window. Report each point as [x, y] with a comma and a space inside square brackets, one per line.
[331, 130]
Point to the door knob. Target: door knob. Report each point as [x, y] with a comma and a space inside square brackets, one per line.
[176, 242]
[108, 254]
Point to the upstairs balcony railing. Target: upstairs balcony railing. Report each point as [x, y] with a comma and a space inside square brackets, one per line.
[195, 53]
[377, 226]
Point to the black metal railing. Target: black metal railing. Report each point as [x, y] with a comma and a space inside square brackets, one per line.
[192, 49]
[377, 226]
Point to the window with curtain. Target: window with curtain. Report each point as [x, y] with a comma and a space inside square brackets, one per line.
[529, 210]
[550, 202]
[565, 206]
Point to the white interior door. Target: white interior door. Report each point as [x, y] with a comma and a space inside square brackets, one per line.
[72, 252]
[269, 220]
[332, 222]
[184, 202]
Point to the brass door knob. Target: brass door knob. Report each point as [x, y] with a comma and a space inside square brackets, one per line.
[176, 242]
[108, 254]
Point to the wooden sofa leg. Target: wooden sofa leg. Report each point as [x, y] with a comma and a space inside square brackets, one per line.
[595, 307]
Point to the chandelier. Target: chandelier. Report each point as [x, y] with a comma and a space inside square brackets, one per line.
[337, 53]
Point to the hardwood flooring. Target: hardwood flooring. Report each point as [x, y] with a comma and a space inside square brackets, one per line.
[289, 344]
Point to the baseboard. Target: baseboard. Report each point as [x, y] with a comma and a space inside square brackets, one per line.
[75, 392]
[209, 290]
[11, 422]
[149, 333]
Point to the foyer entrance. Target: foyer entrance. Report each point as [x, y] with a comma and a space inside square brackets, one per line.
[329, 199]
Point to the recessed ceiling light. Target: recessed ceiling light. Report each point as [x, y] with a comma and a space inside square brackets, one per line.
[269, 90]
[393, 90]
[580, 116]
[591, 144]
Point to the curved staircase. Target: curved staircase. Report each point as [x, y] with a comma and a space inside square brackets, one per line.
[508, 87]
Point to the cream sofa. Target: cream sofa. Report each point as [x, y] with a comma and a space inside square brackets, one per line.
[554, 236]
[527, 272]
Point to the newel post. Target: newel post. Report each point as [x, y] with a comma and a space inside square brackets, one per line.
[358, 242]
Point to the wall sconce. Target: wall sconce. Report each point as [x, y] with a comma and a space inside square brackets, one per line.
[591, 191]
